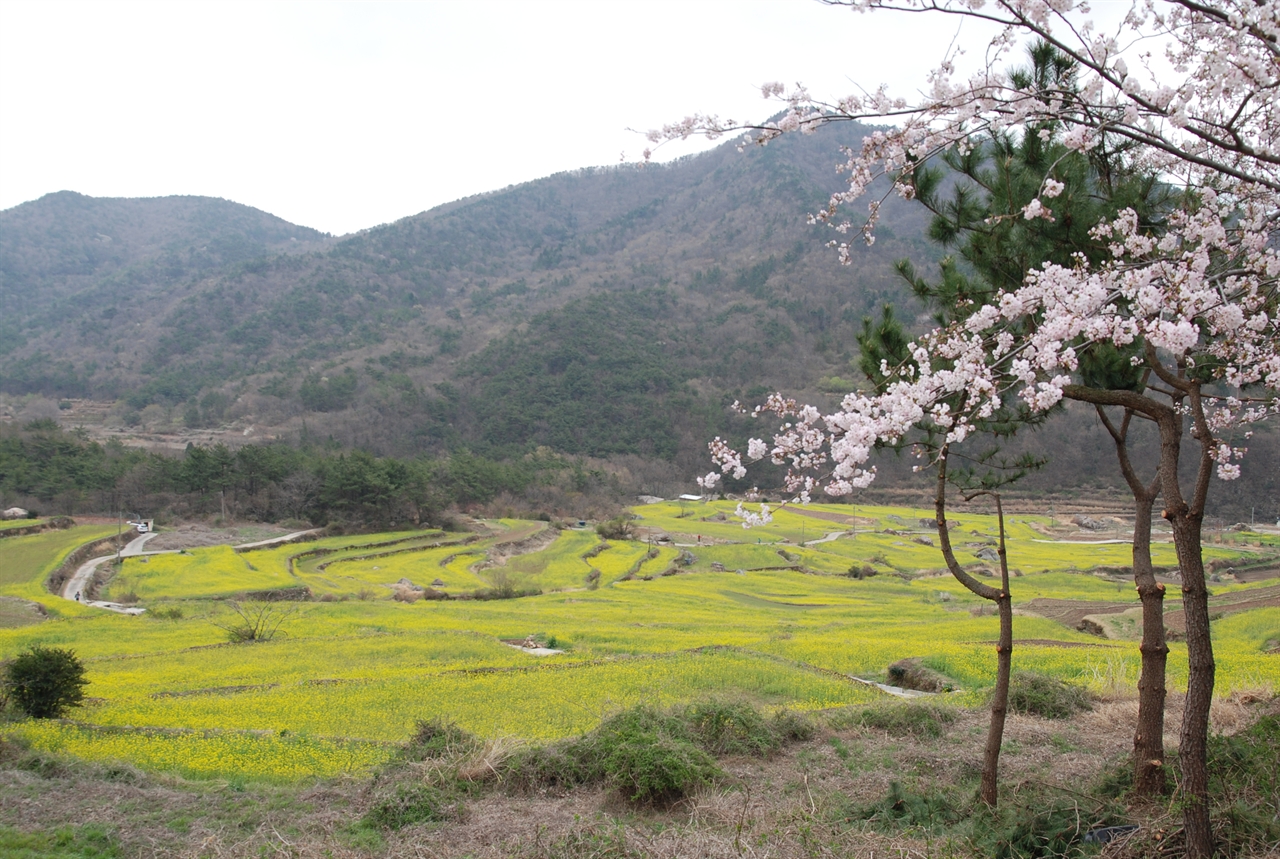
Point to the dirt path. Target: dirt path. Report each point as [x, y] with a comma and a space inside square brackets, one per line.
[78, 584]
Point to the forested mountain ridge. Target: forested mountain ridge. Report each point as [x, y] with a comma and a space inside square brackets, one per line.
[606, 313]
[703, 273]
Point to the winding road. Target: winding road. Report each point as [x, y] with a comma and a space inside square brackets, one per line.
[79, 582]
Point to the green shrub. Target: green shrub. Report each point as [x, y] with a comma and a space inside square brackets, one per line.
[45, 681]
[656, 769]
[558, 766]
[648, 755]
[792, 727]
[731, 729]
[618, 528]
[165, 613]
[1244, 778]
[439, 738]
[900, 719]
[900, 809]
[411, 805]
[1033, 694]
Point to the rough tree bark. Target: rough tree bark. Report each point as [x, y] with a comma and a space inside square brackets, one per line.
[1148, 738]
[989, 789]
[1186, 516]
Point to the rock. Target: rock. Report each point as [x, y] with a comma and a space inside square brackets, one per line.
[1089, 524]
[717, 566]
[988, 554]
[1092, 627]
[923, 541]
[438, 583]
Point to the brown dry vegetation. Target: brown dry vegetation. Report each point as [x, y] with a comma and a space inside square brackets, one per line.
[794, 804]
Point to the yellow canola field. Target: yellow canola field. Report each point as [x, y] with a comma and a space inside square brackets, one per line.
[559, 566]
[346, 677]
[215, 571]
[204, 754]
[27, 561]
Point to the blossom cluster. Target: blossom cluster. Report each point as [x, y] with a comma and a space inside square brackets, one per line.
[1199, 299]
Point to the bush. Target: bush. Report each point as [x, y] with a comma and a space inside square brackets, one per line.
[648, 755]
[439, 738]
[173, 612]
[256, 621]
[1033, 694]
[619, 528]
[45, 681]
[792, 727]
[413, 804]
[731, 729]
[657, 769]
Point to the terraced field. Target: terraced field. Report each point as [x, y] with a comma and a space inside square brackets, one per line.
[697, 608]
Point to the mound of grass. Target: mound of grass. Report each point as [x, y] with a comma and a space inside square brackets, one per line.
[655, 757]
[909, 718]
[653, 769]
[724, 728]
[438, 738]
[1034, 694]
[410, 805]
[648, 755]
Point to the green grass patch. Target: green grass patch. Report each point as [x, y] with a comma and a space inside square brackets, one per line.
[68, 842]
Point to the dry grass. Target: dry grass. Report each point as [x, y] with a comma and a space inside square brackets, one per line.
[789, 805]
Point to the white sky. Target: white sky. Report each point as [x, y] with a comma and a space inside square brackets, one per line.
[342, 116]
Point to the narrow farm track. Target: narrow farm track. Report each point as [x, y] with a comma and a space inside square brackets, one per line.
[1074, 613]
[78, 585]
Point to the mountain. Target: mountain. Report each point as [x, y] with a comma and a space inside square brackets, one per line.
[551, 313]
[610, 313]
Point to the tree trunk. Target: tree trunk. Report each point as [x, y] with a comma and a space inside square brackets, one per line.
[989, 789]
[1004, 668]
[1194, 740]
[1148, 739]
[1187, 519]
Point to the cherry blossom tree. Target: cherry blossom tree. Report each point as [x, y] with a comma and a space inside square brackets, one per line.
[1195, 86]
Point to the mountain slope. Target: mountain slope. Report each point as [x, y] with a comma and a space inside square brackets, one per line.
[693, 280]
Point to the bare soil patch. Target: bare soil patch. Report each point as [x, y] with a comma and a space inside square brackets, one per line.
[1226, 604]
[195, 535]
[1072, 613]
[1257, 574]
[838, 518]
[1046, 642]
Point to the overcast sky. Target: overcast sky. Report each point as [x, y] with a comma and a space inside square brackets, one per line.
[342, 116]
